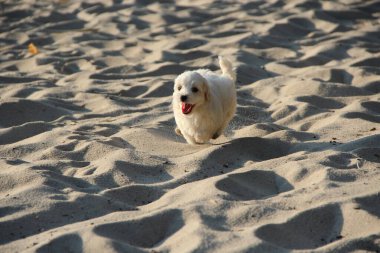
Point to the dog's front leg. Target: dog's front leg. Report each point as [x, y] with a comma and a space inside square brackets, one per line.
[178, 131]
[189, 139]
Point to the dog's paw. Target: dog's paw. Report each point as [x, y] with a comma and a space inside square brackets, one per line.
[201, 139]
[177, 131]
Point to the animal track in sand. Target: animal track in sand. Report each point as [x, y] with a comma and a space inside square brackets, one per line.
[60, 213]
[21, 132]
[363, 116]
[370, 203]
[321, 102]
[248, 149]
[293, 29]
[135, 195]
[341, 175]
[20, 111]
[190, 44]
[159, 89]
[372, 106]
[254, 184]
[182, 57]
[133, 91]
[68, 242]
[308, 229]
[67, 146]
[104, 130]
[341, 161]
[142, 174]
[371, 154]
[145, 232]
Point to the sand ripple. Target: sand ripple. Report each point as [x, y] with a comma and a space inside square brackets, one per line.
[89, 161]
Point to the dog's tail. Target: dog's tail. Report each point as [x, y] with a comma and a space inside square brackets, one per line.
[226, 67]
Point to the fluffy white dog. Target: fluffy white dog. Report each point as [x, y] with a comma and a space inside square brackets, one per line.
[204, 102]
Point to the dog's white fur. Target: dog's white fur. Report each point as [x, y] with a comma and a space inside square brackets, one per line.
[214, 102]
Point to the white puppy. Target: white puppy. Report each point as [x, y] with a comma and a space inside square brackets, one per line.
[204, 102]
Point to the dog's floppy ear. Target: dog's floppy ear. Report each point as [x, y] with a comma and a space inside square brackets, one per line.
[206, 89]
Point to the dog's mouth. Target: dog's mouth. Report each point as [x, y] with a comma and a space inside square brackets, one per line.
[187, 108]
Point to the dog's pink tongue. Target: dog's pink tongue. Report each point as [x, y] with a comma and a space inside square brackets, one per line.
[186, 108]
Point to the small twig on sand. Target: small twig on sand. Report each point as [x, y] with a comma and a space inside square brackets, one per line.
[357, 164]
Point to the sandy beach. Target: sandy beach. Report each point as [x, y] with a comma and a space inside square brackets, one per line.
[90, 162]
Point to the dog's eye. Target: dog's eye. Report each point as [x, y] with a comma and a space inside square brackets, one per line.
[194, 89]
[179, 87]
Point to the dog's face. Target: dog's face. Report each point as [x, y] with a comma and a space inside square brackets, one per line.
[190, 91]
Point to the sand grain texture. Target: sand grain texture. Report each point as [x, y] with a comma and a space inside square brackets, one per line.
[89, 161]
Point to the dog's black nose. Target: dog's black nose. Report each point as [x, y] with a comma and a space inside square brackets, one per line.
[183, 98]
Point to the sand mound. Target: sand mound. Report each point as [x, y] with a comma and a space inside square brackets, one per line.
[89, 161]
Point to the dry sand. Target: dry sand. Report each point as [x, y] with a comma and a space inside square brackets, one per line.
[89, 161]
